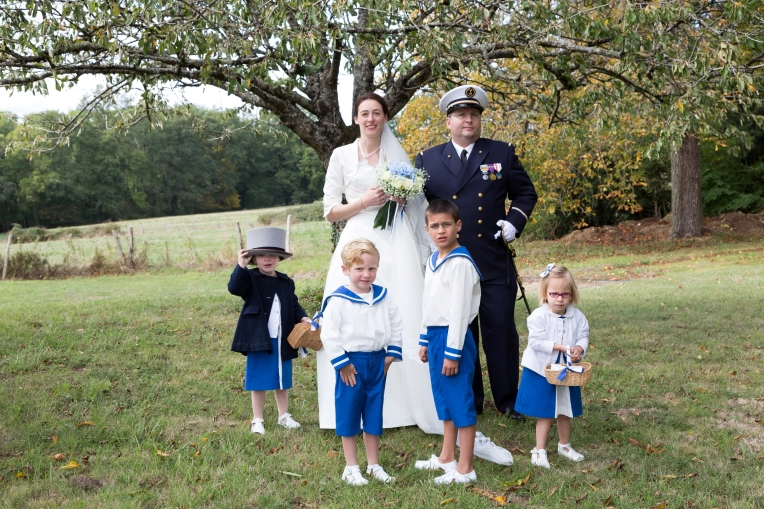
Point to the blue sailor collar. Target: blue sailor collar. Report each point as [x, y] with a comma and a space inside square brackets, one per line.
[434, 264]
[343, 292]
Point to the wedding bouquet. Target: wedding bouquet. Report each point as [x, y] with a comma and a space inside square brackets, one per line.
[399, 179]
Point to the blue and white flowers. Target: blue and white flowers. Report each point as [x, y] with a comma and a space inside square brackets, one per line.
[401, 180]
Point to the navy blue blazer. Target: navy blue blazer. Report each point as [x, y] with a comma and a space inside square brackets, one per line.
[481, 202]
[252, 330]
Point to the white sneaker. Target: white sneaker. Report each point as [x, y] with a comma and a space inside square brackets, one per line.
[257, 426]
[287, 421]
[538, 458]
[434, 464]
[452, 476]
[352, 476]
[567, 451]
[379, 473]
[489, 451]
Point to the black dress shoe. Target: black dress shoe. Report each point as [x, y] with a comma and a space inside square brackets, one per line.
[515, 416]
[479, 408]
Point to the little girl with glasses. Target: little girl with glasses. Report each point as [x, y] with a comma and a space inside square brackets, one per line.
[553, 327]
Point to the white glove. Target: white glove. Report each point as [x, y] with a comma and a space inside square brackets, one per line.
[508, 231]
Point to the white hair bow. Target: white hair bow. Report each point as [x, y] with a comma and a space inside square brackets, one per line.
[546, 271]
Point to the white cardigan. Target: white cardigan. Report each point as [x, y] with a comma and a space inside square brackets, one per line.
[545, 328]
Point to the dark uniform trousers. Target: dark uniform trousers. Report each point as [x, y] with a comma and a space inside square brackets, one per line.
[493, 174]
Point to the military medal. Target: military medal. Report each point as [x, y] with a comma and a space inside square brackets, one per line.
[491, 171]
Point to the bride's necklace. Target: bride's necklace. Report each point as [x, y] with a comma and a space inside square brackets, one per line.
[367, 156]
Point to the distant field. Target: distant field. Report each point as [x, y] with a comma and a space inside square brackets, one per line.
[202, 241]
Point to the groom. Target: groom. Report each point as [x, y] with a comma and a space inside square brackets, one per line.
[479, 175]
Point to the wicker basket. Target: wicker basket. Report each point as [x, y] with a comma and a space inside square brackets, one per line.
[302, 337]
[573, 379]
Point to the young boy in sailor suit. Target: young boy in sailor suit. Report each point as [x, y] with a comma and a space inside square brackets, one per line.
[450, 302]
[362, 332]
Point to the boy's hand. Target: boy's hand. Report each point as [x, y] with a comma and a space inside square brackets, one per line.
[388, 362]
[423, 354]
[348, 375]
[244, 258]
[450, 367]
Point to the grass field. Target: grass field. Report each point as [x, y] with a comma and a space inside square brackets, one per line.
[129, 382]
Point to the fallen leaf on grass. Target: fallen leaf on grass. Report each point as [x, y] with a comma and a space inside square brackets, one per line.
[635, 443]
[616, 465]
[587, 471]
[198, 453]
[517, 450]
[20, 475]
[594, 487]
[582, 498]
[605, 400]
[732, 373]
[274, 450]
[662, 505]
[449, 500]
[554, 490]
[738, 437]
[694, 474]
[399, 466]
[162, 454]
[501, 500]
[55, 439]
[501, 424]
[651, 450]
[71, 465]
[58, 457]
[607, 501]
[85, 423]
[616, 442]
[291, 473]
[760, 457]
[332, 454]
[670, 476]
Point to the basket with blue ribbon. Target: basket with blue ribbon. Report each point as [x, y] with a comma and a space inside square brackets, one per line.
[569, 374]
[306, 336]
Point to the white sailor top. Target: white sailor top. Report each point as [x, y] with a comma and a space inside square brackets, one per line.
[451, 298]
[353, 323]
[545, 328]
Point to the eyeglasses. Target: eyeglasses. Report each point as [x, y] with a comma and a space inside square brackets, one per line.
[564, 295]
[436, 226]
[463, 114]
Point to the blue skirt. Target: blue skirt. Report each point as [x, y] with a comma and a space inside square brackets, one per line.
[538, 398]
[266, 371]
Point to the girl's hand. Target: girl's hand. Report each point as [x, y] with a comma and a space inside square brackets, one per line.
[423, 354]
[575, 353]
[305, 319]
[348, 375]
[372, 197]
[401, 201]
[244, 258]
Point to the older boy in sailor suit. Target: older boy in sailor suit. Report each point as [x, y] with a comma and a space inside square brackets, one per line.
[479, 175]
[362, 332]
[450, 302]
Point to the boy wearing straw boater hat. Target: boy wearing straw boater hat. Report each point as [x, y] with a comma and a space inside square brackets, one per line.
[270, 311]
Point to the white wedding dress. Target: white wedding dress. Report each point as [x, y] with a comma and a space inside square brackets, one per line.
[408, 393]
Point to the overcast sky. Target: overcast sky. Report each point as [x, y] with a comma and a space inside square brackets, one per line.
[24, 103]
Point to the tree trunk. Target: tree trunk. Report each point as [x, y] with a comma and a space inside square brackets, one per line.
[686, 197]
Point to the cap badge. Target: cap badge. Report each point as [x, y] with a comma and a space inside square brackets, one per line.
[470, 92]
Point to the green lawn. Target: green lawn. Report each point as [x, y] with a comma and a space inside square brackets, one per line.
[131, 377]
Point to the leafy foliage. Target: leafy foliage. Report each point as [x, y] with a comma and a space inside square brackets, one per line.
[183, 168]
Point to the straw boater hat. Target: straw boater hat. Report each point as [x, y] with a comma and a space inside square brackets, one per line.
[262, 241]
[466, 96]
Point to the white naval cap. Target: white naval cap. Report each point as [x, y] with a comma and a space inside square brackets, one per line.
[466, 96]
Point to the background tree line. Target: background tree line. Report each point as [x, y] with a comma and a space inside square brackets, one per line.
[187, 166]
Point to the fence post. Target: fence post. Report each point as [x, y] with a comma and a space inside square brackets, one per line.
[7, 252]
[238, 229]
[132, 245]
[119, 248]
[288, 232]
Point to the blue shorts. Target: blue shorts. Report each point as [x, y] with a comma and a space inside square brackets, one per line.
[454, 399]
[365, 399]
[266, 371]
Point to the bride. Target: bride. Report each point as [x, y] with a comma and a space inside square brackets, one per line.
[351, 171]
